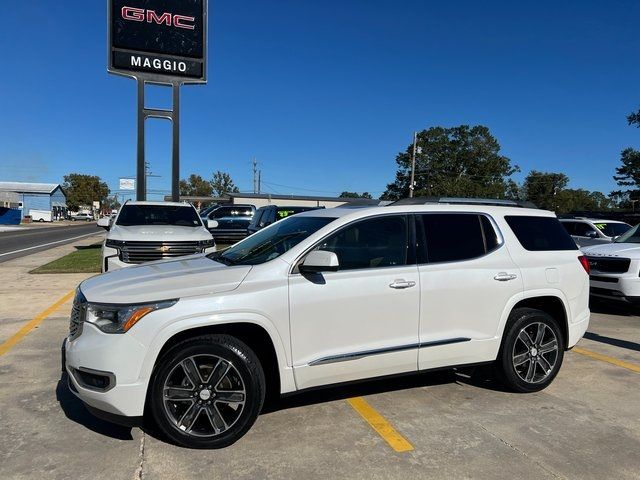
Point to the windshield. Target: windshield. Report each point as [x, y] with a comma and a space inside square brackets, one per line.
[612, 229]
[271, 242]
[178, 216]
[631, 236]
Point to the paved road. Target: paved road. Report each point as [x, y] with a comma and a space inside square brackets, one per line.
[28, 240]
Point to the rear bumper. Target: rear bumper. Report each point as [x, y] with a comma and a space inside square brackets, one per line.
[578, 328]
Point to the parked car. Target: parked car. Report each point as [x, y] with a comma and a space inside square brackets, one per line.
[325, 297]
[41, 215]
[589, 231]
[233, 221]
[204, 212]
[81, 217]
[615, 268]
[265, 216]
[148, 231]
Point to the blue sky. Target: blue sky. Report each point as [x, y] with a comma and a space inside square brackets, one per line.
[325, 93]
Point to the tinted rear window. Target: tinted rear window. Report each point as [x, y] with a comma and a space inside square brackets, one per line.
[540, 233]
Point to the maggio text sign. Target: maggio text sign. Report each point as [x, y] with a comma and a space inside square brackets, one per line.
[159, 40]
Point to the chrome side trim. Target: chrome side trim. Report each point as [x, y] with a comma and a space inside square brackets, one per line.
[357, 355]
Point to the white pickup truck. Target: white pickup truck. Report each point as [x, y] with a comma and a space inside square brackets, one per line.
[147, 231]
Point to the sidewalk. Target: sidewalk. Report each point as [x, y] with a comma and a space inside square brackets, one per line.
[23, 295]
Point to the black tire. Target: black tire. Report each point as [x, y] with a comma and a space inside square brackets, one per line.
[522, 343]
[244, 371]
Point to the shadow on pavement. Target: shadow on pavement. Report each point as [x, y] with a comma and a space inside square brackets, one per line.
[75, 411]
[479, 376]
[612, 307]
[616, 342]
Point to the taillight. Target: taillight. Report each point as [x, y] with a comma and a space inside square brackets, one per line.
[584, 261]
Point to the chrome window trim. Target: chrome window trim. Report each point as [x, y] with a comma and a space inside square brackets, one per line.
[344, 357]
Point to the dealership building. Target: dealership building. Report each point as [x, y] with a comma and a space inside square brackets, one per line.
[37, 196]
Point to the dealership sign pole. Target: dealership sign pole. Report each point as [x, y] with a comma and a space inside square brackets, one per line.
[159, 42]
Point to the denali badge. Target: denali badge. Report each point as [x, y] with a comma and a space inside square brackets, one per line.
[150, 16]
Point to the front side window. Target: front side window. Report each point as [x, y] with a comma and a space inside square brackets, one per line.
[612, 229]
[584, 230]
[179, 216]
[450, 237]
[372, 243]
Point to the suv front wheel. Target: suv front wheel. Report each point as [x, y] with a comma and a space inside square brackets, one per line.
[207, 391]
[531, 352]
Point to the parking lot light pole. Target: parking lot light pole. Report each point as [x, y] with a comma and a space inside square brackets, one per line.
[413, 165]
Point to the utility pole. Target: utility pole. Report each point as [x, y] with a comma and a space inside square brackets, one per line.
[148, 173]
[413, 165]
[259, 180]
[255, 178]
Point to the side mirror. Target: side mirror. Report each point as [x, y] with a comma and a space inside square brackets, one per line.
[592, 234]
[320, 261]
[212, 224]
[105, 223]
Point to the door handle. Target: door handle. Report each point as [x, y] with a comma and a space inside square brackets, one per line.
[505, 277]
[400, 284]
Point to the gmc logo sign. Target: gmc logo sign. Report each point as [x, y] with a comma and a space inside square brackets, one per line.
[134, 14]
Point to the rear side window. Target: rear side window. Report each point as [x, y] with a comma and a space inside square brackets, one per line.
[450, 237]
[540, 233]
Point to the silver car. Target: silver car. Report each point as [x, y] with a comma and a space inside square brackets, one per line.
[590, 231]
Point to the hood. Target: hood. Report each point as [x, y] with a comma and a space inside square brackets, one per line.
[627, 250]
[164, 280]
[154, 233]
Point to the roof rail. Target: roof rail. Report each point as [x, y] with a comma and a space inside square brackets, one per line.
[496, 202]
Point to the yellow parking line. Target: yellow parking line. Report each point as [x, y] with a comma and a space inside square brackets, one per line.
[604, 358]
[380, 425]
[37, 320]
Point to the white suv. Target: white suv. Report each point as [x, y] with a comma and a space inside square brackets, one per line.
[591, 231]
[615, 268]
[324, 297]
[147, 231]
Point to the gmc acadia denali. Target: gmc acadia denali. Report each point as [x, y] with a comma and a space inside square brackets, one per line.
[324, 297]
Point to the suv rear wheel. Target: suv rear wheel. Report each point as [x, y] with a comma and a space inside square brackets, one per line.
[207, 391]
[531, 352]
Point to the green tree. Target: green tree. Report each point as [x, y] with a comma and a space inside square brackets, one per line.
[628, 174]
[580, 200]
[195, 186]
[460, 161]
[221, 184]
[542, 188]
[83, 190]
[355, 195]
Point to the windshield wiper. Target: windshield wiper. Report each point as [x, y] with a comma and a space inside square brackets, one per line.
[220, 258]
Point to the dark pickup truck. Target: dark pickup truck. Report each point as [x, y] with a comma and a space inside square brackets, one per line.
[233, 221]
[265, 216]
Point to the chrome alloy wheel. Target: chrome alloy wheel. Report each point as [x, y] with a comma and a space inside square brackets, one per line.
[204, 395]
[535, 352]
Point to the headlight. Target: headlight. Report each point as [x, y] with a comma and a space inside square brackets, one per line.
[204, 244]
[119, 319]
[114, 244]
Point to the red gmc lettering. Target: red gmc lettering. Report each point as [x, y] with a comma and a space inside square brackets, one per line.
[179, 21]
[132, 13]
[164, 18]
[150, 16]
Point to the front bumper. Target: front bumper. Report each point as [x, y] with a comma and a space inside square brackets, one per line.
[119, 357]
[620, 287]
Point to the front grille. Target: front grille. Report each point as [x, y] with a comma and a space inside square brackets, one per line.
[140, 252]
[77, 316]
[609, 264]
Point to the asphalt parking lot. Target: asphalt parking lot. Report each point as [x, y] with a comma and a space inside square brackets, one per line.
[433, 425]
